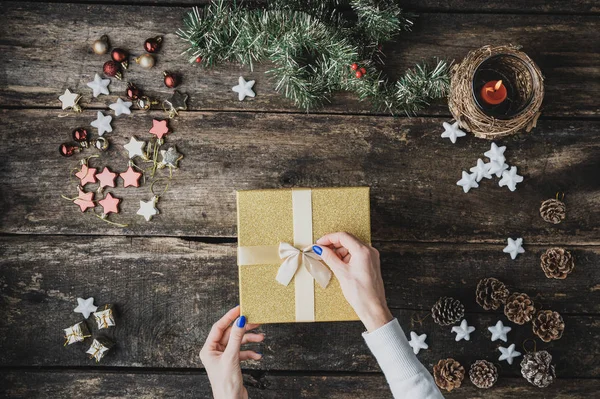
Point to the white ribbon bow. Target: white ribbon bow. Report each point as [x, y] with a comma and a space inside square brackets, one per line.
[293, 258]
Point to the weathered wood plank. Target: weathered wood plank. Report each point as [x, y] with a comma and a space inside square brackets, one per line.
[411, 170]
[46, 48]
[169, 291]
[84, 384]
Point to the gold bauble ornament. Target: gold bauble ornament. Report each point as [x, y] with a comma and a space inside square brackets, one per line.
[145, 61]
[101, 45]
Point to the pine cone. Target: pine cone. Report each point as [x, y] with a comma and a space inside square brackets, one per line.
[447, 311]
[448, 374]
[483, 374]
[519, 308]
[536, 368]
[548, 325]
[491, 293]
[553, 211]
[557, 263]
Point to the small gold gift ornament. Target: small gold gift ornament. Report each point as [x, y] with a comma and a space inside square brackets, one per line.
[281, 279]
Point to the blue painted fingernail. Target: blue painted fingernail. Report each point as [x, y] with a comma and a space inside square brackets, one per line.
[318, 250]
[241, 321]
[260, 353]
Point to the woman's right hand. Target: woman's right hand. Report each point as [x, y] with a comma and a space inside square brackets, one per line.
[356, 266]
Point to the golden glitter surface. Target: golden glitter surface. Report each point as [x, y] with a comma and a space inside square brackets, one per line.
[265, 218]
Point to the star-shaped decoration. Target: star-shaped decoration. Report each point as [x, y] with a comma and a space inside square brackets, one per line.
[468, 181]
[481, 170]
[121, 107]
[508, 354]
[510, 179]
[244, 88]
[148, 209]
[106, 178]
[417, 342]
[496, 153]
[109, 204]
[178, 101]
[69, 100]
[135, 148]
[496, 168]
[499, 331]
[85, 307]
[159, 128]
[99, 85]
[131, 177]
[102, 123]
[463, 331]
[170, 157]
[452, 132]
[514, 247]
[84, 200]
[86, 175]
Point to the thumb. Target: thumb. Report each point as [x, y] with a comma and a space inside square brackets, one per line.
[235, 337]
[330, 257]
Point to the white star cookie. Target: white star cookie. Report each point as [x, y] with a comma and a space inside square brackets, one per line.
[69, 100]
[496, 153]
[99, 85]
[135, 148]
[481, 170]
[510, 178]
[463, 331]
[102, 123]
[514, 247]
[417, 342]
[499, 331]
[496, 168]
[452, 132]
[148, 209]
[468, 181]
[85, 307]
[121, 107]
[508, 354]
[244, 89]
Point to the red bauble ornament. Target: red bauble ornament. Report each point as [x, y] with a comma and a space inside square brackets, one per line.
[359, 74]
[80, 135]
[66, 150]
[354, 66]
[363, 70]
[198, 60]
[113, 69]
[171, 80]
[152, 45]
[132, 92]
[119, 55]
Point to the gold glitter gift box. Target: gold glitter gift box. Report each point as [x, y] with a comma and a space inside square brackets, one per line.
[298, 217]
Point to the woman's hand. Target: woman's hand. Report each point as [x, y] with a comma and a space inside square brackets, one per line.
[221, 354]
[356, 266]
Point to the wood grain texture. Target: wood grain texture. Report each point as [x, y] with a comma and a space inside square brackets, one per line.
[411, 170]
[53, 53]
[119, 384]
[169, 291]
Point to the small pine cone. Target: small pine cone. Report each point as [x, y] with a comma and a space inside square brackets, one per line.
[491, 293]
[557, 263]
[483, 374]
[448, 374]
[553, 211]
[536, 368]
[548, 325]
[519, 308]
[447, 311]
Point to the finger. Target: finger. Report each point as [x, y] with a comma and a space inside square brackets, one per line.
[225, 337]
[235, 336]
[250, 337]
[219, 328]
[341, 239]
[341, 252]
[331, 259]
[250, 355]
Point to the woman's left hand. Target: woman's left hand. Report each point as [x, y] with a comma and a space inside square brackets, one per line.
[221, 354]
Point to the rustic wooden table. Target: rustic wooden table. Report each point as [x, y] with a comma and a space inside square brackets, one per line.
[171, 278]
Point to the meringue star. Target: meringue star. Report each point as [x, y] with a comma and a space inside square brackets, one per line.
[496, 153]
[514, 247]
[131, 177]
[510, 179]
[496, 168]
[508, 354]
[468, 181]
[148, 209]
[499, 331]
[102, 123]
[110, 204]
[135, 148]
[84, 200]
[452, 132]
[417, 342]
[244, 88]
[85, 307]
[481, 170]
[86, 175]
[106, 178]
[463, 331]
[159, 128]
[170, 157]
[69, 100]
[99, 85]
[121, 107]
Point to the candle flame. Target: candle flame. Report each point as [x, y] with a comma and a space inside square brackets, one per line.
[498, 84]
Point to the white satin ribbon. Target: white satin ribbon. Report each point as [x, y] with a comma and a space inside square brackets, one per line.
[293, 258]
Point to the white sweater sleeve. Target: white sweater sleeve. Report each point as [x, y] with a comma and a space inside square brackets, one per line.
[405, 374]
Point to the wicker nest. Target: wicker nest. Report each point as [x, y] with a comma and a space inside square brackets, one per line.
[522, 71]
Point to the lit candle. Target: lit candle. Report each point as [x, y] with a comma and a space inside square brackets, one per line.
[493, 92]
